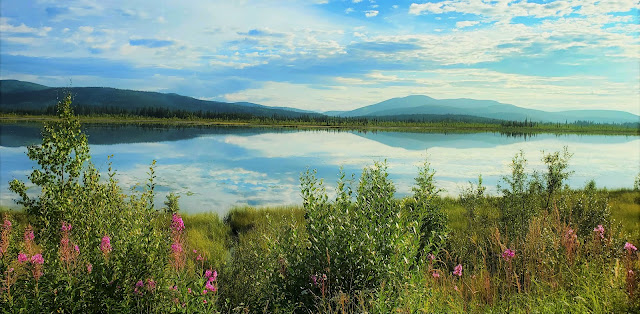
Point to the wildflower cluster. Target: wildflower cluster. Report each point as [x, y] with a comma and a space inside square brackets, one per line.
[68, 251]
[599, 230]
[508, 254]
[177, 252]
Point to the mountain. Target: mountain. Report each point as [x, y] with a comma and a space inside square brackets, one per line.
[417, 105]
[11, 86]
[26, 96]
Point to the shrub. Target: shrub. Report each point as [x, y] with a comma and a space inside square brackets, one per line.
[92, 247]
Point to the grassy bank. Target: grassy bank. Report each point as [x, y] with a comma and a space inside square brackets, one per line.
[251, 250]
[348, 124]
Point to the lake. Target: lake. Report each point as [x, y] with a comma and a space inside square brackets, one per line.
[216, 168]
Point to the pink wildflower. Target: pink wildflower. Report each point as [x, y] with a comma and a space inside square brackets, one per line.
[105, 245]
[210, 287]
[435, 275]
[140, 284]
[199, 258]
[174, 288]
[37, 259]
[204, 291]
[195, 251]
[630, 247]
[76, 248]
[189, 290]
[89, 268]
[207, 273]
[458, 270]
[431, 257]
[66, 227]
[314, 280]
[151, 284]
[176, 247]
[22, 257]
[7, 224]
[600, 230]
[204, 301]
[176, 223]
[214, 276]
[28, 235]
[508, 254]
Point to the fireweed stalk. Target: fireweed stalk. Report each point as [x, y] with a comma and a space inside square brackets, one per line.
[177, 251]
[68, 252]
[5, 236]
[508, 255]
[630, 276]
[105, 246]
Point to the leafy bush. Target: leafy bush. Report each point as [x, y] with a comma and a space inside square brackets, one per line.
[92, 247]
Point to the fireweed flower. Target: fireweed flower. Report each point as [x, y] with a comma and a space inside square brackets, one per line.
[37, 259]
[6, 224]
[89, 268]
[599, 230]
[105, 245]
[199, 258]
[209, 286]
[37, 262]
[151, 284]
[314, 280]
[207, 273]
[28, 235]
[630, 247]
[176, 247]
[435, 275]
[508, 254]
[66, 227]
[22, 257]
[176, 223]
[458, 270]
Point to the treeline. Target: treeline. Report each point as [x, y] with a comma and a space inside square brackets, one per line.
[302, 119]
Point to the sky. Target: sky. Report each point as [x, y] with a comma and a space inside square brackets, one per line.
[334, 54]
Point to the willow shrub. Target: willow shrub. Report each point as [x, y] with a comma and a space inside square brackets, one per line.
[360, 243]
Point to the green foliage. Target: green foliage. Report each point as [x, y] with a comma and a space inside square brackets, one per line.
[74, 215]
[265, 271]
[557, 164]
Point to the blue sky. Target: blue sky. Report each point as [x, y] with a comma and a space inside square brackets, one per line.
[334, 54]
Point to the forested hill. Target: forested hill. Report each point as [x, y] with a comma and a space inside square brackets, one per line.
[19, 96]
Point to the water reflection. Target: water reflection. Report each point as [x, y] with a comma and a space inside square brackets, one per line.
[214, 168]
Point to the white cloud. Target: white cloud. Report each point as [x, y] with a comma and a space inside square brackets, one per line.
[371, 13]
[356, 1]
[463, 24]
[348, 10]
[506, 10]
[7, 28]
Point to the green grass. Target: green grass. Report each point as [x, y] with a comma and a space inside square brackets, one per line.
[345, 124]
[252, 235]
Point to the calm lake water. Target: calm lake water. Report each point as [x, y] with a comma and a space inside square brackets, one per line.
[214, 169]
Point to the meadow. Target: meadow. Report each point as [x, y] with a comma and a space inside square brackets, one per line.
[84, 244]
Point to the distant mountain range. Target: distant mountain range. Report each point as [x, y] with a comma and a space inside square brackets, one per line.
[489, 109]
[25, 96]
